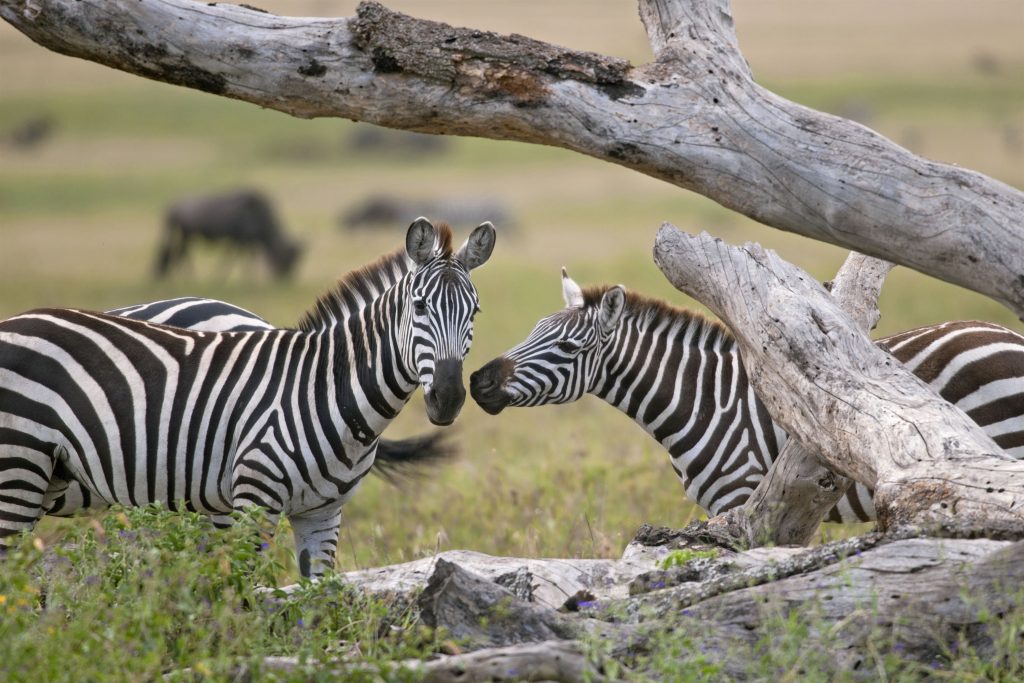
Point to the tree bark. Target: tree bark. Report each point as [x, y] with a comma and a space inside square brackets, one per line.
[842, 606]
[798, 491]
[931, 467]
[695, 117]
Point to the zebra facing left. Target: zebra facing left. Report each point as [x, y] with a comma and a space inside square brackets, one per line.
[284, 419]
[680, 377]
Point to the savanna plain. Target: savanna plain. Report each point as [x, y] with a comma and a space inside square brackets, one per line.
[80, 218]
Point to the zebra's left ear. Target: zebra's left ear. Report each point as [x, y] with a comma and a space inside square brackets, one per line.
[420, 241]
[612, 303]
[478, 247]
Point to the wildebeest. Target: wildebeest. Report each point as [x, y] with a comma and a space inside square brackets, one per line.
[244, 219]
[29, 133]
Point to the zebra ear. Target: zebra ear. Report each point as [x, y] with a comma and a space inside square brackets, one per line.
[571, 291]
[475, 251]
[420, 240]
[612, 303]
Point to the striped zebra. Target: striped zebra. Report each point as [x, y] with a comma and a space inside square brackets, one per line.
[287, 420]
[391, 460]
[679, 376]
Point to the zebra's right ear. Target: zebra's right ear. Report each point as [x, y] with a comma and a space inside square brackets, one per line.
[612, 304]
[420, 240]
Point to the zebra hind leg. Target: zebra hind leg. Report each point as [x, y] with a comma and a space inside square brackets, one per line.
[25, 473]
[316, 540]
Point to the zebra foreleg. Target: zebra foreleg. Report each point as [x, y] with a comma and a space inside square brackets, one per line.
[316, 540]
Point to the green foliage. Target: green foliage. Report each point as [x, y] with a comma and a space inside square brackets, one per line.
[677, 558]
[145, 591]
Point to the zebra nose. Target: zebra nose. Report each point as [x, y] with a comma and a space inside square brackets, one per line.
[485, 385]
[446, 396]
[484, 380]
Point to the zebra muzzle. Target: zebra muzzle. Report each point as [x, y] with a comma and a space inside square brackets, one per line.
[446, 395]
[485, 385]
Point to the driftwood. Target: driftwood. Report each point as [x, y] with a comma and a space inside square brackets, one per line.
[561, 661]
[856, 600]
[694, 117]
[871, 420]
[798, 491]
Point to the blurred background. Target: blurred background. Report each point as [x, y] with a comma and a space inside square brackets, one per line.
[91, 159]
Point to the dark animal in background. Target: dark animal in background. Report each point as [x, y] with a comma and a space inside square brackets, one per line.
[384, 210]
[29, 133]
[243, 219]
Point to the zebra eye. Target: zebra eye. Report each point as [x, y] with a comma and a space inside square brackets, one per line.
[420, 306]
[567, 346]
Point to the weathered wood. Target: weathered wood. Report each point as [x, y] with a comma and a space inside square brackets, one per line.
[847, 603]
[482, 613]
[823, 380]
[559, 660]
[798, 491]
[694, 117]
[916, 598]
[548, 582]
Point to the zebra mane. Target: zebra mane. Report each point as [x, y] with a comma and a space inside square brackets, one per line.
[653, 311]
[357, 288]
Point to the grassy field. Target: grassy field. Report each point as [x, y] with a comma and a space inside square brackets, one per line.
[80, 216]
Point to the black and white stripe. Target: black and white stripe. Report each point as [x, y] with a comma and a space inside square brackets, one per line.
[196, 313]
[283, 419]
[679, 376]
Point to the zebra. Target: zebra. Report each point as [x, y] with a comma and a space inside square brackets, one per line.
[284, 419]
[680, 377]
[200, 314]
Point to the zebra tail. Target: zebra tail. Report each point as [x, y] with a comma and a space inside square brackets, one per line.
[399, 459]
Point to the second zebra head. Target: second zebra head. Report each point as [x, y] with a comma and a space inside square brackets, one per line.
[436, 328]
[560, 360]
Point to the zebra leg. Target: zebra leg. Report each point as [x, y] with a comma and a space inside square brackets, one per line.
[316, 540]
[25, 474]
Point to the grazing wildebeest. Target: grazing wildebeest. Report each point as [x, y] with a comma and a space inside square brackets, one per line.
[242, 218]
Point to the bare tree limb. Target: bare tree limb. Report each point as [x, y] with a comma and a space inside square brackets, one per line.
[871, 419]
[694, 118]
[798, 491]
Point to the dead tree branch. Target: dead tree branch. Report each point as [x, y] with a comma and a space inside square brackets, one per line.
[695, 117]
[798, 491]
[871, 419]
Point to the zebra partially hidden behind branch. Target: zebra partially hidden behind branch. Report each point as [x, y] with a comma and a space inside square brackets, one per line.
[680, 377]
[286, 420]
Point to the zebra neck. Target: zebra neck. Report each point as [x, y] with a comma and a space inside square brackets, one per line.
[681, 379]
[371, 380]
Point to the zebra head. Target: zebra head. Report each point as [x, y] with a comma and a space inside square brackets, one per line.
[559, 361]
[440, 308]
